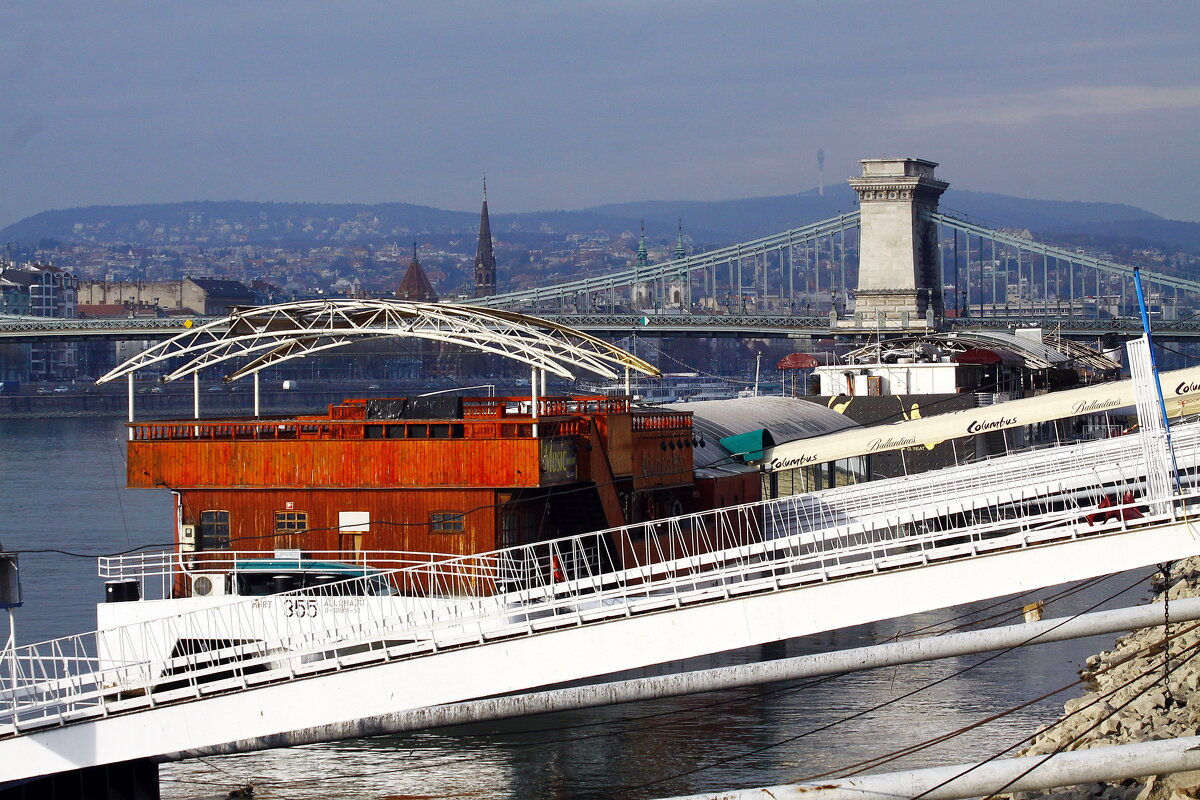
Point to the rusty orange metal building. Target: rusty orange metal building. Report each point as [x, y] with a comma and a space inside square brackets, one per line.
[444, 475]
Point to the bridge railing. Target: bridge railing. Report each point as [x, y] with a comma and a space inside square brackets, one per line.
[566, 582]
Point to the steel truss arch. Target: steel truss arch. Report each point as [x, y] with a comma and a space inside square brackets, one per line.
[270, 335]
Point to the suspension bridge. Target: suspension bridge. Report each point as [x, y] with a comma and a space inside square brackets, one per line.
[896, 264]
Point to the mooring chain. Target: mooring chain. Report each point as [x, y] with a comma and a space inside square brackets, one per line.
[1166, 571]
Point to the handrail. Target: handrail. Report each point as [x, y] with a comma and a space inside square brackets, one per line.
[168, 562]
[570, 581]
[557, 416]
[59, 695]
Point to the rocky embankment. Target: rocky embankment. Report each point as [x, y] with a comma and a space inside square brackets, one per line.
[1128, 701]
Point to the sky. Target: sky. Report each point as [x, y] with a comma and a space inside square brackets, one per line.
[565, 104]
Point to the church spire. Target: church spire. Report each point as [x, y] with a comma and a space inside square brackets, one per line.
[485, 258]
[680, 252]
[415, 286]
[643, 255]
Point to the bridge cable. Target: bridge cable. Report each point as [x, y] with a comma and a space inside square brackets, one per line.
[1186, 656]
[866, 711]
[774, 691]
[740, 698]
[851, 769]
[1191, 652]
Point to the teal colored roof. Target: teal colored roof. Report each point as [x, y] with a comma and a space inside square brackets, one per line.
[305, 565]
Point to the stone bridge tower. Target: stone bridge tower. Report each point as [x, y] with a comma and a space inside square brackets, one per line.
[899, 278]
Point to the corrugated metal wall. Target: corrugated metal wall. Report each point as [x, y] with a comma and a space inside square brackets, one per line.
[334, 463]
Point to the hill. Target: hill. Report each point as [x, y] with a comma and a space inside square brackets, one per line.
[210, 223]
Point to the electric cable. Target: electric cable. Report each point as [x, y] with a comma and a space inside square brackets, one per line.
[1003, 602]
[112, 467]
[558, 492]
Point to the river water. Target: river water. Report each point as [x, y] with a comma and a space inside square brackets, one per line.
[61, 488]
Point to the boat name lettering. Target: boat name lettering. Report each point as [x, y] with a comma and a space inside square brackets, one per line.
[1090, 406]
[795, 461]
[993, 425]
[1187, 387]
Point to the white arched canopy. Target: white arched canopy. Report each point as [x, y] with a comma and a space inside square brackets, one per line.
[270, 335]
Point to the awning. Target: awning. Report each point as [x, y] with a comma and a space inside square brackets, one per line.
[1181, 393]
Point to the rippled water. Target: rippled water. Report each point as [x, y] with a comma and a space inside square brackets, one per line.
[60, 485]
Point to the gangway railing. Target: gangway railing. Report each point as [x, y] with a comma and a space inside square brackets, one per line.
[527, 590]
[1037, 478]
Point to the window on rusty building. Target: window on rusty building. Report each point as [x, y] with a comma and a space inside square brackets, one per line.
[214, 530]
[288, 527]
[446, 522]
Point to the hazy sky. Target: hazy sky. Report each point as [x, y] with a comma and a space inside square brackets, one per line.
[571, 103]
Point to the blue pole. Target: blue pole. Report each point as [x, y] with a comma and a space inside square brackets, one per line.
[1162, 405]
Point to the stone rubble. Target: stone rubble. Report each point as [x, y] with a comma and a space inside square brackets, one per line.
[1126, 701]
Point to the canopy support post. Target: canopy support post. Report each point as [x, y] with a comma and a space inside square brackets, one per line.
[129, 389]
[533, 399]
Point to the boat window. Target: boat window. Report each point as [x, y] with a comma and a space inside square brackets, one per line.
[446, 522]
[214, 530]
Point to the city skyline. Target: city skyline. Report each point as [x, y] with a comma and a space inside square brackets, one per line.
[572, 106]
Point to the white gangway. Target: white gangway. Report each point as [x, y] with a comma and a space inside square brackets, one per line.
[526, 617]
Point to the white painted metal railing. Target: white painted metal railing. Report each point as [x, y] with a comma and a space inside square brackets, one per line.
[154, 570]
[1049, 496]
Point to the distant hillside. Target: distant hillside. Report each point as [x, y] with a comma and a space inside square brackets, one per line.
[1169, 234]
[759, 216]
[1001, 210]
[261, 222]
[736, 220]
[705, 222]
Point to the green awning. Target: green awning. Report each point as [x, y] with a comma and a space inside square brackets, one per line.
[749, 446]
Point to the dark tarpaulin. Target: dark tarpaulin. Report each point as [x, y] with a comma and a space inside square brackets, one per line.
[797, 361]
[983, 355]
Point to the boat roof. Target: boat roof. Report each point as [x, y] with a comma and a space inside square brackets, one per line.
[787, 418]
[304, 564]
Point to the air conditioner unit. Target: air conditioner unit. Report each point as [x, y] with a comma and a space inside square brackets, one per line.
[210, 584]
[187, 538]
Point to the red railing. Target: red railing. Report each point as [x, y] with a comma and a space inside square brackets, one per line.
[483, 418]
[662, 422]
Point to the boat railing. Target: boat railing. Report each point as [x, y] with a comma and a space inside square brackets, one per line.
[468, 600]
[157, 569]
[514, 427]
[663, 421]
